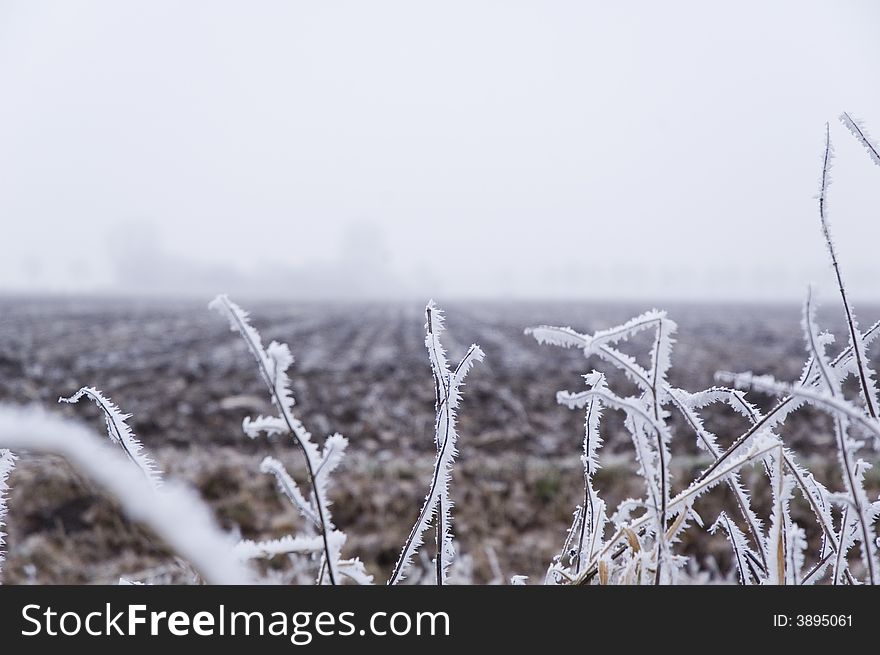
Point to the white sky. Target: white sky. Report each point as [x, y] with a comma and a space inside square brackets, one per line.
[650, 150]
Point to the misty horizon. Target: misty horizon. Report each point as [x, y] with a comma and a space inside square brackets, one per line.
[544, 151]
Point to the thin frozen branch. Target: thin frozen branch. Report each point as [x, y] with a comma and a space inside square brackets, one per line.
[7, 462]
[273, 363]
[119, 432]
[437, 502]
[861, 133]
[865, 374]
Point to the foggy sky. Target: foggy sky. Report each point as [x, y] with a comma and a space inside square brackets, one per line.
[456, 150]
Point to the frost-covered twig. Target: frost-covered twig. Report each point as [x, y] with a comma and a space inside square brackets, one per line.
[741, 551]
[859, 132]
[847, 532]
[289, 488]
[119, 432]
[247, 549]
[305, 545]
[865, 374]
[174, 512]
[660, 362]
[273, 363]
[592, 523]
[437, 502]
[780, 521]
[7, 462]
[589, 519]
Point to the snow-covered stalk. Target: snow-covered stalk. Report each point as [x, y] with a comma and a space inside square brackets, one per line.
[288, 486]
[7, 462]
[780, 521]
[865, 374]
[859, 132]
[305, 545]
[119, 432]
[848, 529]
[174, 512]
[331, 456]
[592, 524]
[437, 502]
[588, 524]
[660, 362]
[287, 545]
[273, 362]
[743, 556]
[796, 546]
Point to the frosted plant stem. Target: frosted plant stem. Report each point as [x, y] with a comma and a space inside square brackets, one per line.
[437, 502]
[661, 457]
[845, 449]
[293, 428]
[119, 432]
[840, 559]
[441, 389]
[855, 337]
[859, 133]
[7, 462]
